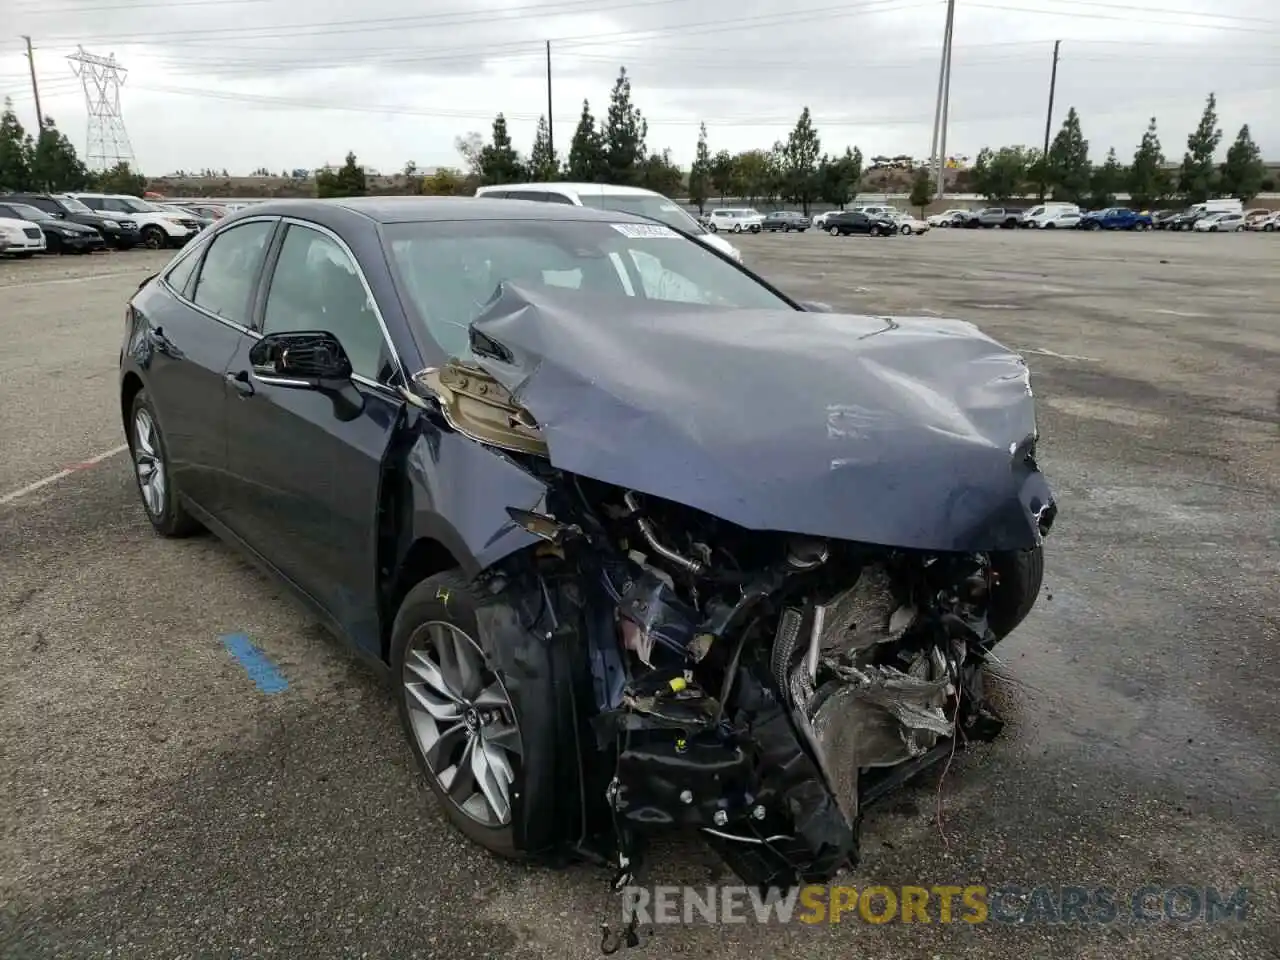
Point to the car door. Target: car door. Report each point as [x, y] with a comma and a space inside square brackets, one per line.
[195, 319]
[305, 466]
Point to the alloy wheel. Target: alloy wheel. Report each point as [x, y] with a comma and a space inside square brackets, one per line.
[463, 721]
[148, 463]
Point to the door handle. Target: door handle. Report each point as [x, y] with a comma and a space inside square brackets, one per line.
[241, 382]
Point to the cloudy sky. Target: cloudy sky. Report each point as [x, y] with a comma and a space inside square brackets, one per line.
[248, 83]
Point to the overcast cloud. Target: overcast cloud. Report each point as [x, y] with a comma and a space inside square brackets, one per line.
[248, 83]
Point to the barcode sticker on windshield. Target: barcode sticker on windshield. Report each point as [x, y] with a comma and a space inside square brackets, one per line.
[645, 231]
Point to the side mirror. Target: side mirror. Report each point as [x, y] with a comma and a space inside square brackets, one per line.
[310, 360]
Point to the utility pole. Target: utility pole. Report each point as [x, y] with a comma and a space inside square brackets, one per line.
[551, 136]
[35, 87]
[939, 148]
[1048, 121]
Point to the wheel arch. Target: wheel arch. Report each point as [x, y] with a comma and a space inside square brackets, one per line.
[130, 386]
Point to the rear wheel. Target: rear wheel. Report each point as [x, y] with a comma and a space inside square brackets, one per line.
[906, 229]
[153, 474]
[875, 231]
[834, 231]
[154, 238]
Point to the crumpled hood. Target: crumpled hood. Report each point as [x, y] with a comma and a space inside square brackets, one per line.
[915, 433]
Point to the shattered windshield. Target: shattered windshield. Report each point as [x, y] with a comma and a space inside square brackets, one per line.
[448, 272]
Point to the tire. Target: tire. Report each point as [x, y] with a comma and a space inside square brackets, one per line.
[154, 238]
[712, 228]
[1094, 225]
[906, 229]
[834, 231]
[1020, 574]
[1268, 227]
[164, 508]
[523, 674]
[1213, 229]
[1047, 226]
[737, 228]
[755, 229]
[53, 244]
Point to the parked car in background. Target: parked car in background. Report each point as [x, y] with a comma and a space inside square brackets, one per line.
[187, 213]
[736, 220]
[60, 236]
[820, 220]
[158, 228]
[1220, 223]
[856, 221]
[1115, 218]
[908, 223]
[1058, 220]
[22, 238]
[118, 232]
[1034, 217]
[948, 218]
[1268, 225]
[1184, 220]
[785, 221]
[1161, 219]
[1006, 217]
[604, 196]
[1257, 213]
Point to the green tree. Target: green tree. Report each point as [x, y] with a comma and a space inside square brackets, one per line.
[800, 162]
[700, 172]
[1244, 171]
[543, 164]
[121, 179]
[1197, 180]
[55, 166]
[660, 175]
[1148, 181]
[1108, 180]
[586, 151]
[922, 191]
[16, 152]
[1002, 174]
[1066, 170]
[347, 181]
[445, 182]
[625, 131]
[499, 162]
[840, 177]
[752, 172]
[724, 174]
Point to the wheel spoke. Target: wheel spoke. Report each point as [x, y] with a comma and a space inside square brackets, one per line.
[490, 697]
[439, 752]
[426, 671]
[470, 667]
[503, 736]
[423, 697]
[461, 784]
[492, 775]
[447, 658]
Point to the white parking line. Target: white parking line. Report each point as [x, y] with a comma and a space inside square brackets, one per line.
[54, 478]
[87, 276]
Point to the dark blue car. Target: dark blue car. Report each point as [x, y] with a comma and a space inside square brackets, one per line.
[1115, 218]
[635, 537]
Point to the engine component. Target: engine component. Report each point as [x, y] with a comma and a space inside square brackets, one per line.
[651, 611]
[687, 564]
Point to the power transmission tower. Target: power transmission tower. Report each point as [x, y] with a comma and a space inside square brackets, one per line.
[102, 78]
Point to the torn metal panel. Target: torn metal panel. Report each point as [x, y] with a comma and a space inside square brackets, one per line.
[916, 433]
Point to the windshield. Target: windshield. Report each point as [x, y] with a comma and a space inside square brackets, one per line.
[646, 205]
[141, 206]
[27, 212]
[449, 271]
[73, 205]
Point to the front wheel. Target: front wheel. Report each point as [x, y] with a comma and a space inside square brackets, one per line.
[153, 474]
[906, 229]
[1019, 576]
[834, 231]
[479, 711]
[154, 238]
[1268, 227]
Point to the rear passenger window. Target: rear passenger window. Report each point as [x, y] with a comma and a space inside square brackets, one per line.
[230, 268]
[559, 198]
[180, 276]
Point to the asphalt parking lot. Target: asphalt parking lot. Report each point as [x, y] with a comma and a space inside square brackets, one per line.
[154, 803]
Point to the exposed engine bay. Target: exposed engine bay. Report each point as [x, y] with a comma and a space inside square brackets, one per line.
[760, 687]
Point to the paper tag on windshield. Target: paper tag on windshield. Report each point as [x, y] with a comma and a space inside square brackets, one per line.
[645, 231]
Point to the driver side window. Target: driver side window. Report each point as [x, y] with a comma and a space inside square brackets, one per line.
[316, 287]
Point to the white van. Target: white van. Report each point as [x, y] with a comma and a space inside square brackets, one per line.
[1036, 216]
[603, 196]
[1224, 205]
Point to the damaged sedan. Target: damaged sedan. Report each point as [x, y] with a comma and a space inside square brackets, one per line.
[642, 543]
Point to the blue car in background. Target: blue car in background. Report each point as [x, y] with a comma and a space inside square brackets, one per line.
[1115, 218]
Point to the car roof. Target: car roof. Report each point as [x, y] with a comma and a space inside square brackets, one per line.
[591, 189]
[421, 209]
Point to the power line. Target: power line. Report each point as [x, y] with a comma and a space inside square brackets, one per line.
[1039, 11]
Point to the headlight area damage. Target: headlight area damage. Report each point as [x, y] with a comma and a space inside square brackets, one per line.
[776, 548]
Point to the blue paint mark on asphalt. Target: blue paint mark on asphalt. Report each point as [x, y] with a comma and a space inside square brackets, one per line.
[264, 674]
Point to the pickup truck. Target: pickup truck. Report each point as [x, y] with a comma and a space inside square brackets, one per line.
[1115, 218]
[1007, 217]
